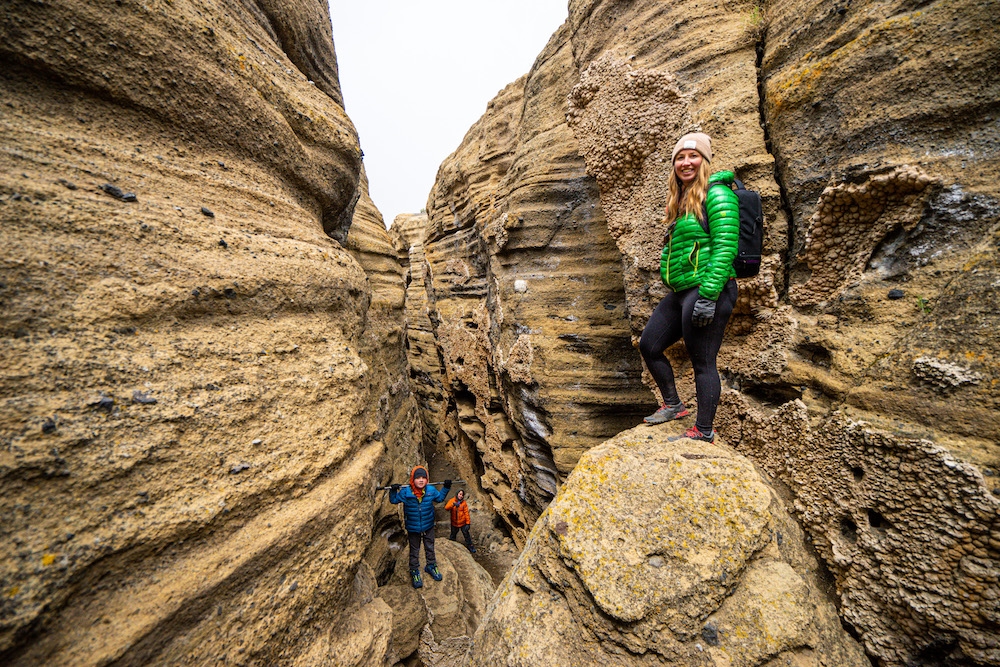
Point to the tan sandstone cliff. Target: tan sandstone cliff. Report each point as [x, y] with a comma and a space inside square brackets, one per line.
[202, 383]
[862, 362]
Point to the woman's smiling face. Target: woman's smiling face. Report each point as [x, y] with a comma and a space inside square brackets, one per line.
[686, 165]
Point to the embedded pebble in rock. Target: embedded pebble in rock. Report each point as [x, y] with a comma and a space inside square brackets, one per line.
[105, 403]
[143, 398]
[118, 193]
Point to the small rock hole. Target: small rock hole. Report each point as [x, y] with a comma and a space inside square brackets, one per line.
[849, 529]
[859, 473]
[876, 520]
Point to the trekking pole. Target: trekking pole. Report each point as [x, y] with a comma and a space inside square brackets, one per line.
[454, 481]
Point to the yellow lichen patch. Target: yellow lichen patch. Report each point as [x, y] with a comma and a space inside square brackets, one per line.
[48, 559]
[13, 591]
[798, 87]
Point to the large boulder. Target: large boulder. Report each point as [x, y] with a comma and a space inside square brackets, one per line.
[436, 623]
[658, 552]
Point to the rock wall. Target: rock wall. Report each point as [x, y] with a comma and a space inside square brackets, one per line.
[525, 285]
[201, 387]
[658, 552]
[861, 364]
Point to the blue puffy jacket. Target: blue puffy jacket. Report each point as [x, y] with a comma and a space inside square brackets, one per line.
[418, 515]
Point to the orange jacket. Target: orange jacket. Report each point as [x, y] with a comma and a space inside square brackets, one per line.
[459, 512]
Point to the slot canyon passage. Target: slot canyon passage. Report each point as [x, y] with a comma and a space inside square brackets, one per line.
[213, 351]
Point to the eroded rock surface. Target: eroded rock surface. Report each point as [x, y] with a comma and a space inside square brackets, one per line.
[200, 386]
[436, 622]
[664, 553]
[876, 303]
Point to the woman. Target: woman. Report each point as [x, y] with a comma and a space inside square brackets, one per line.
[697, 266]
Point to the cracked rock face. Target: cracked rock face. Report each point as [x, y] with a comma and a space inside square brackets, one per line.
[871, 187]
[664, 553]
[201, 387]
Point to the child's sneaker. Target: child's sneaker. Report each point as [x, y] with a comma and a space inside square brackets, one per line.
[694, 433]
[432, 569]
[415, 578]
[667, 413]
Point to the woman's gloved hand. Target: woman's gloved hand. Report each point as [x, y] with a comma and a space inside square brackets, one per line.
[703, 313]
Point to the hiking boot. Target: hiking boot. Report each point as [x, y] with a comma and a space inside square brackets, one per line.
[694, 433]
[432, 569]
[415, 578]
[471, 548]
[667, 413]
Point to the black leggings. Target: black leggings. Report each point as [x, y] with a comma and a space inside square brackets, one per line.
[670, 322]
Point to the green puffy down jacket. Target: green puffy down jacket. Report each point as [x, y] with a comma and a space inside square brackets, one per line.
[694, 257]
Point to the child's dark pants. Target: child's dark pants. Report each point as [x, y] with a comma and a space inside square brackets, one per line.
[428, 537]
[465, 533]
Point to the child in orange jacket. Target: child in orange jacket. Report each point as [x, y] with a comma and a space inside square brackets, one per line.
[460, 518]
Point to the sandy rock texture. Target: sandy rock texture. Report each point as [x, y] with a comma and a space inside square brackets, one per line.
[201, 386]
[876, 304]
[656, 553]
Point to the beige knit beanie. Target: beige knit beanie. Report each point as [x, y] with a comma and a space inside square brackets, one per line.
[699, 141]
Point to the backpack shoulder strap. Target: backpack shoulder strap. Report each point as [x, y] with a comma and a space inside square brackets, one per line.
[704, 206]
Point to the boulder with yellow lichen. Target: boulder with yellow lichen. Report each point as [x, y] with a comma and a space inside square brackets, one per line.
[659, 552]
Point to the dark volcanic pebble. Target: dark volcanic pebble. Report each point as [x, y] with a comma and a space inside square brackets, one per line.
[896, 294]
[144, 399]
[207, 211]
[117, 192]
[105, 403]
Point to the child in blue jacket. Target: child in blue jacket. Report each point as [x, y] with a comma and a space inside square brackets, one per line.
[418, 516]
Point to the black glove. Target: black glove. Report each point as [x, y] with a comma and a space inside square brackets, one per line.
[446, 486]
[703, 313]
[395, 487]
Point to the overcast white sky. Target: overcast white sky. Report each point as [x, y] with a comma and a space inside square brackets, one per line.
[416, 74]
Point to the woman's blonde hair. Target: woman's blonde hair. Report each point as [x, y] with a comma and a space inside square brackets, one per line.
[693, 198]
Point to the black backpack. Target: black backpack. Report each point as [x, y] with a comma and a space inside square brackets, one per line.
[747, 260]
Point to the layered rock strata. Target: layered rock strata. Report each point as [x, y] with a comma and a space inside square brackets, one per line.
[658, 552]
[875, 306]
[201, 386]
[524, 282]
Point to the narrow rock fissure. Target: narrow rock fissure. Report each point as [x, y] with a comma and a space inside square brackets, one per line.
[769, 145]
